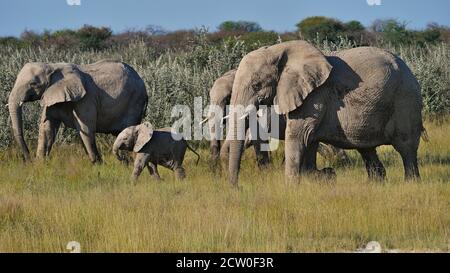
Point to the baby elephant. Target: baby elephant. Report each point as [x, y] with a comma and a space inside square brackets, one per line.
[153, 148]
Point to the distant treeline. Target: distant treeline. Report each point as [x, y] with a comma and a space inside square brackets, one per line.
[317, 28]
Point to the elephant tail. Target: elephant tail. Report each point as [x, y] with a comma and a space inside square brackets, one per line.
[424, 135]
[192, 150]
[144, 111]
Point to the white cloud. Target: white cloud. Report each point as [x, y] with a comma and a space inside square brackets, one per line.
[73, 2]
[374, 2]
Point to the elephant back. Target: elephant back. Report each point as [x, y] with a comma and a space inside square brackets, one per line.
[365, 73]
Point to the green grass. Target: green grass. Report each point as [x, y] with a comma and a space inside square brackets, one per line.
[44, 205]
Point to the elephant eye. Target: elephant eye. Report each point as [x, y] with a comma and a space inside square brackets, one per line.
[257, 86]
[35, 84]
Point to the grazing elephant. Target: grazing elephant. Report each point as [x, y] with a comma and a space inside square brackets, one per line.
[153, 147]
[104, 97]
[220, 95]
[359, 98]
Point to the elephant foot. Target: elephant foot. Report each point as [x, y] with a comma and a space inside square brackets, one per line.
[124, 160]
[292, 179]
[40, 158]
[97, 161]
[377, 174]
[134, 180]
[263, 165]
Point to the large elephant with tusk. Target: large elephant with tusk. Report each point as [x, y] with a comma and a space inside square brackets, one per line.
[104, 97]
[219, 97]
[359, 98]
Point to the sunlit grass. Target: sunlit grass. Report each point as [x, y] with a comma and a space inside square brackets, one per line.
[44, 205]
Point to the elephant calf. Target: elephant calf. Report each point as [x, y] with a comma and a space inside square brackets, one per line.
[153, 148]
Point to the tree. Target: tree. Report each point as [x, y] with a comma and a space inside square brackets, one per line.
[245, 26]
[320, 27]
[393, 31]
[434, 28]
[93, 37]
[353, 26]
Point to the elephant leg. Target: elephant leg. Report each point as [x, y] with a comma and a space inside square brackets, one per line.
[47, 135]
[215, 150]
[374, 167]
[294, 148]
[408, 152]
[299, 135]
[153, 170]
[180, 173]
[294, 151]
[140, 162]
[225, 154]
[262, 157]
[214, 164]
[87, 134]
[309, 163]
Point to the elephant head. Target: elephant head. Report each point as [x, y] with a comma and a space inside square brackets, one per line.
[51, 84]
[219, 97]
[283, 74]
[133, 138]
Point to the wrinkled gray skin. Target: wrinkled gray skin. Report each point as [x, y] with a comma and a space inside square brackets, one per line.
[220, 95]
[359, 98]
[153, 148]
[104, 97]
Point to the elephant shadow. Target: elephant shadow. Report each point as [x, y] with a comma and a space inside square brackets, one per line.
[343, 80]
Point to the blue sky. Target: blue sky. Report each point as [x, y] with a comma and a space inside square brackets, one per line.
[278, 15]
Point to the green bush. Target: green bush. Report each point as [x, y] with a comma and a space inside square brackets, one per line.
[321, 28]
[93, 38]
[261, 38]
[171, 78]
[245, 26]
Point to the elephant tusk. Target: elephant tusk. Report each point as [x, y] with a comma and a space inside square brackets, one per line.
[204, 121]
[7, 105]
[20, 104]
[244, 116]
[260, 113]
[226, 117]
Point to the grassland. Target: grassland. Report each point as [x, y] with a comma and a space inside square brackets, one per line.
[44, 205]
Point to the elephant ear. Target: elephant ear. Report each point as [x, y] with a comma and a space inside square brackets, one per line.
[144, 134]
[67, 87]
[303, 68]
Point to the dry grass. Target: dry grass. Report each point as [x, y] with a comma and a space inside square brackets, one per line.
[45, 205]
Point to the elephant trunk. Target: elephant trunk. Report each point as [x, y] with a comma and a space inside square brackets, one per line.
[215, 143]
[236, 150]
[15, 111]
[214, 149]
[116, 148]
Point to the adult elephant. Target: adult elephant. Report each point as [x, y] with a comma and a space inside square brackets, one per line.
[104, 97]
[219, 96]
[359, 98]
